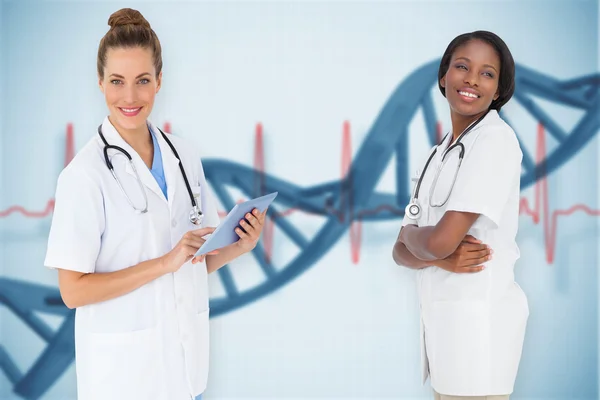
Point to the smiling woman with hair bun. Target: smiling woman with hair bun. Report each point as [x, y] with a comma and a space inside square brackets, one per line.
[131, 211]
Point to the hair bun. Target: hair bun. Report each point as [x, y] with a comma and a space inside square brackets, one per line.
[127, 16]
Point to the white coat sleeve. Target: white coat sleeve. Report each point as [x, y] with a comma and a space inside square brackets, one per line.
[77, 223]
[487, 176]
[407, 221]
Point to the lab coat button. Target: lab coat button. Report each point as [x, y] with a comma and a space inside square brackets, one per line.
[174, 223]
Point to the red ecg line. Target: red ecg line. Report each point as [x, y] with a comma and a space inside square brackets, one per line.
[541, 210]
[550, 219]
[69, 154]
[355, 226]
[259, 165]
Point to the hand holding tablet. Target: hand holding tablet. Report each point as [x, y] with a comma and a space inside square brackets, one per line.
[225, 233]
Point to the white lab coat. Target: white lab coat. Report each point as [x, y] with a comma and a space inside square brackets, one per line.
[151, 343]
[473, 325]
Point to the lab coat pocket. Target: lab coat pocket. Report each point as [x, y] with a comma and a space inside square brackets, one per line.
[459, 352]
[121, 366]
[200, 352]
[181, 223]
[133, 311]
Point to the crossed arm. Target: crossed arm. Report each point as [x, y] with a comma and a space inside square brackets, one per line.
[430, 243]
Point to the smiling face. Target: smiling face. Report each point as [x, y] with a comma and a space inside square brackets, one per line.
[129, 85]
[471, 82]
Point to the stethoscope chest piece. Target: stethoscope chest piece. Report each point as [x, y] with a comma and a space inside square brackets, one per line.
[196, 216]
[412, 210]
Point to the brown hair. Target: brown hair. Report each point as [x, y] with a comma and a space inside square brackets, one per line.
[129, 28]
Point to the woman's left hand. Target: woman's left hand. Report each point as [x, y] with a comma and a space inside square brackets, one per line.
[253, 226]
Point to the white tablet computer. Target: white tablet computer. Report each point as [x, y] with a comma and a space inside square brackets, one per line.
[225, 234]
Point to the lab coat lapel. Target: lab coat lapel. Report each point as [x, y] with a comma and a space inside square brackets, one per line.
[170, 165]
[114, 138]
[145, 175]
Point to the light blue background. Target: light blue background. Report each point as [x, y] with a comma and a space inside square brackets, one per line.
[302, 69]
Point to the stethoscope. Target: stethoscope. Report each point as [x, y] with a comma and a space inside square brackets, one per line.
[413, 209]
[196, 215]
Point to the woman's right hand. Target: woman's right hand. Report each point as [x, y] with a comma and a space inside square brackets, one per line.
[468, 257]
[184, 250]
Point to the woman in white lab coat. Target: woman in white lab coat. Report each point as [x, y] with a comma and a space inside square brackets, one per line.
[461, 237]
[141, 299]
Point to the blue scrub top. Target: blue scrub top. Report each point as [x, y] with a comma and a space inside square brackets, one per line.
[157, 169]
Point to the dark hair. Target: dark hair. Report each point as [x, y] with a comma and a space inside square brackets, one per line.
[506, 84]
[129, 28]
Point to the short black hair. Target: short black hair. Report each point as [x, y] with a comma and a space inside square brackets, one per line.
[506, 83]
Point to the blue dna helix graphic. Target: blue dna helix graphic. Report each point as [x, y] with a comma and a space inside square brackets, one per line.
[341, 202]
